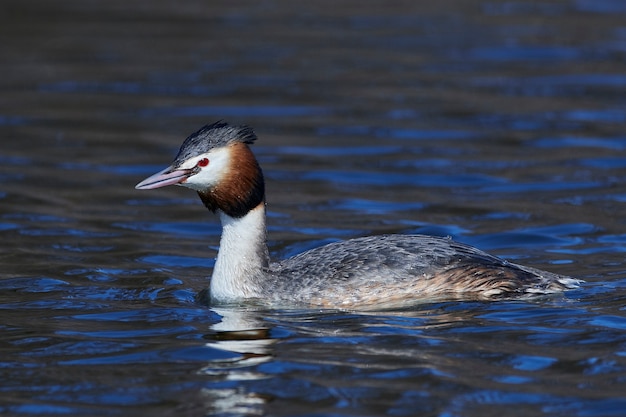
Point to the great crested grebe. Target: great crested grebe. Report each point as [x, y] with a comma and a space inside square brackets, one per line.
[367, 272]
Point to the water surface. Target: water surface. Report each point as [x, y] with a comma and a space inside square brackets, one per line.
[498, 123]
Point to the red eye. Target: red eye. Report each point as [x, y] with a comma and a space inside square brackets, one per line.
[203, 162]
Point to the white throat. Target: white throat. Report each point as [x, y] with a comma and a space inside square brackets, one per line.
[242, 256]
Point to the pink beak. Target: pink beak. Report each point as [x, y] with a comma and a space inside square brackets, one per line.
[168, 176]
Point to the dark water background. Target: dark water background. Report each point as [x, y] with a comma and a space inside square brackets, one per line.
[499, 123]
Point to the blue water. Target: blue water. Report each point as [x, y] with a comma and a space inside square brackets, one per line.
[499, 124]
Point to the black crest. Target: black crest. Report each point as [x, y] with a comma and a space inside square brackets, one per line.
[213, 136]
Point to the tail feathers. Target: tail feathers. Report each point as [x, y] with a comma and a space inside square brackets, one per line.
[549, 283]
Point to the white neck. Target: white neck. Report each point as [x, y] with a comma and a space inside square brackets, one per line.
[242, 256]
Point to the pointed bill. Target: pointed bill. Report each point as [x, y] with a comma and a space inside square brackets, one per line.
[163, 178]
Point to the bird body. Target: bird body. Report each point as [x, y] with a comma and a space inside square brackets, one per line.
[361, 273]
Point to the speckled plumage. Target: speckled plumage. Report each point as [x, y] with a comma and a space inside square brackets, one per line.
[399, 270]
[364, 273]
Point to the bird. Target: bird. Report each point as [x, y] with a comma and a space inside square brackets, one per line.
[363, 273]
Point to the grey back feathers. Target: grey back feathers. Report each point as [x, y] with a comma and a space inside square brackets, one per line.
[213, 136]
